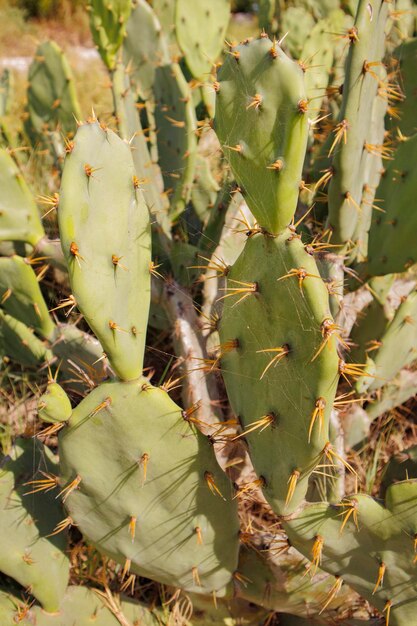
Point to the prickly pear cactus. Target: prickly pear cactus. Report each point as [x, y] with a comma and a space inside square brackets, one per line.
[201, 51]
[261, 95]
[108, 20]
[106, 242]
[239, 428]
[52, 99]
[370, 545]
[30, 552]
[156, 489]
[19, 217]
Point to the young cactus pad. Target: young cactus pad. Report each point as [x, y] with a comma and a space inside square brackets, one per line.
[108, 20]
[105, 237]
[261, 121]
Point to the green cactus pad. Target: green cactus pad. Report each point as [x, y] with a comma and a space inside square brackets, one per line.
[6, 83]
[19, 217]
[27, 554]
[165, 12]
[372, 167]
[318, 56]
[52, 100]
[371, 323]
[104, 226]
[402, 466]
[275, 310]
[281, 584]
[261, 121]
[299, 24]
[81, 606]
[21, 296]
[130, 129]
[205, 189]
[367, 46]
[384, 538]
[108, 19]
[144, 48]
[200, 28]
[395, 393]
[54, 405]
[391, 238]
[406, 56]
[150, 495]
[177, 140]
[18, 342]
[79, 351]
[398, 344]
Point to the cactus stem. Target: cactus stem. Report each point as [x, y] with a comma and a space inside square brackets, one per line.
[380, 579]
[317, 413]
[211, 484]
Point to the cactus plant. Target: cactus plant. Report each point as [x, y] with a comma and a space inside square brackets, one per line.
[222, 362]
